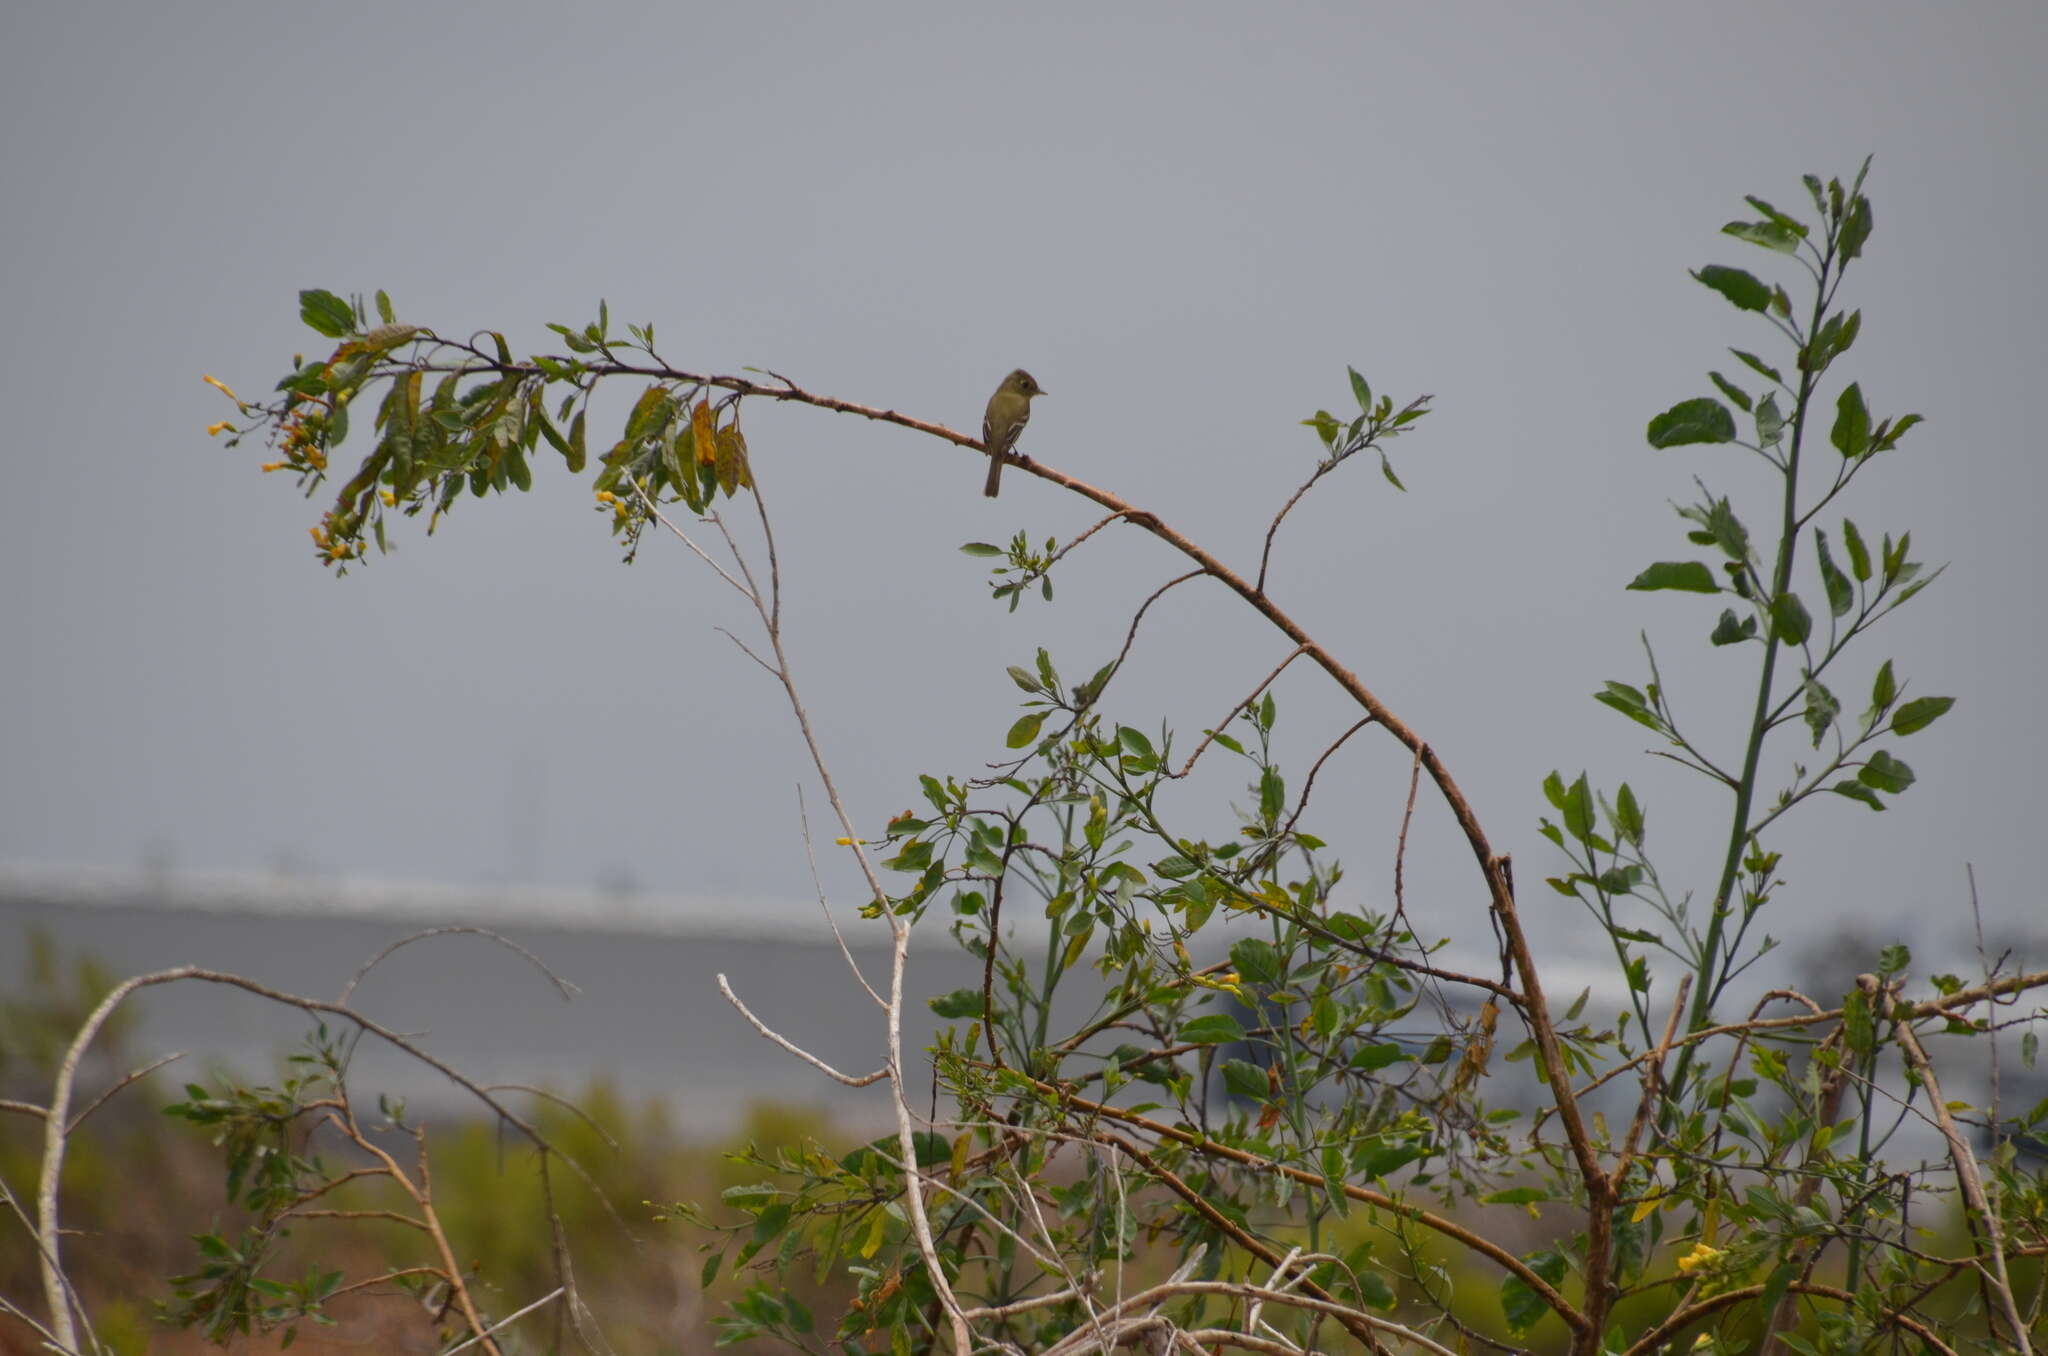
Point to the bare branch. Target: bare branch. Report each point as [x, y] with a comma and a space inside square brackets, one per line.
[507, 1321]
[1970, 1180]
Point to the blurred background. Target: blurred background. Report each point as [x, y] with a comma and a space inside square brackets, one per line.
[1185, 221]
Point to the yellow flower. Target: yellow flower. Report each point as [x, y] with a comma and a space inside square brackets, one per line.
[1702, 1255]
[390, 499]
[215, 430]
[217, 384]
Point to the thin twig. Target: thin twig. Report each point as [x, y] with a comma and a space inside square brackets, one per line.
[507, 1321]
[1323, 468]
[803, 816]
[1264, 683]
[563, 1102]
[1653, 1083]
[1080, 1343]
[133, 1076]
[562, 986]
[850, 1080]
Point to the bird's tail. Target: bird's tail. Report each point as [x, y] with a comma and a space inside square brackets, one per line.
[995, 475]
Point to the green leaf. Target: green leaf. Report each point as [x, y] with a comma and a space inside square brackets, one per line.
[1727, 531]
[1731, 390]
[1687, 575]
[1732, 631]
[1628, 821]
[1841, 594]
[1387, 470]
[650, 413]
[1631, 703]
[1245, 1079]
[1523, 1306]
[1790, 223]
[1377, 1160]
[1897, 431]
[1857, 1023]
[1377, 1056]
[1272, 795]
[1858, 791]
[1768, 234]
[1770, 421]
[1045, 669]
[385, 313]
[1851, 433]
[1856, 230]
[1821, 709]
[957, 1004]
[1700, 420]
[1884, 690]
[980, 548]
[1918, 714]
[326, 313]
[1885, 773]
[1859, 554]
[1360, 390]
[1025, 730]
[1212, 1028]
[1743, 289]
[1757, 365]
[1894, 555]
[1022, 678]
[1845, 334]
[1812, 183]
[1522, 1195]
[1578, 809]
[1135, 743]
[1086, 693]
[1257, 961]
[1790, 621]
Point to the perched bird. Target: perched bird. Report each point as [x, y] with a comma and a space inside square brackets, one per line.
[1009, 410]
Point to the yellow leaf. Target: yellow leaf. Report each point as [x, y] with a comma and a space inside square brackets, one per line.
[705, 434]
[732, 460]
[960, 1148]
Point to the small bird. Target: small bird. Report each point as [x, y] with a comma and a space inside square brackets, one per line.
[1009, 410]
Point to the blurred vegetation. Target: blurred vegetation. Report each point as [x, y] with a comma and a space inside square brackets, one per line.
[138, 1189]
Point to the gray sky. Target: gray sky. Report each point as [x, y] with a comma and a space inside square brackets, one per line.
[1184, 220]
